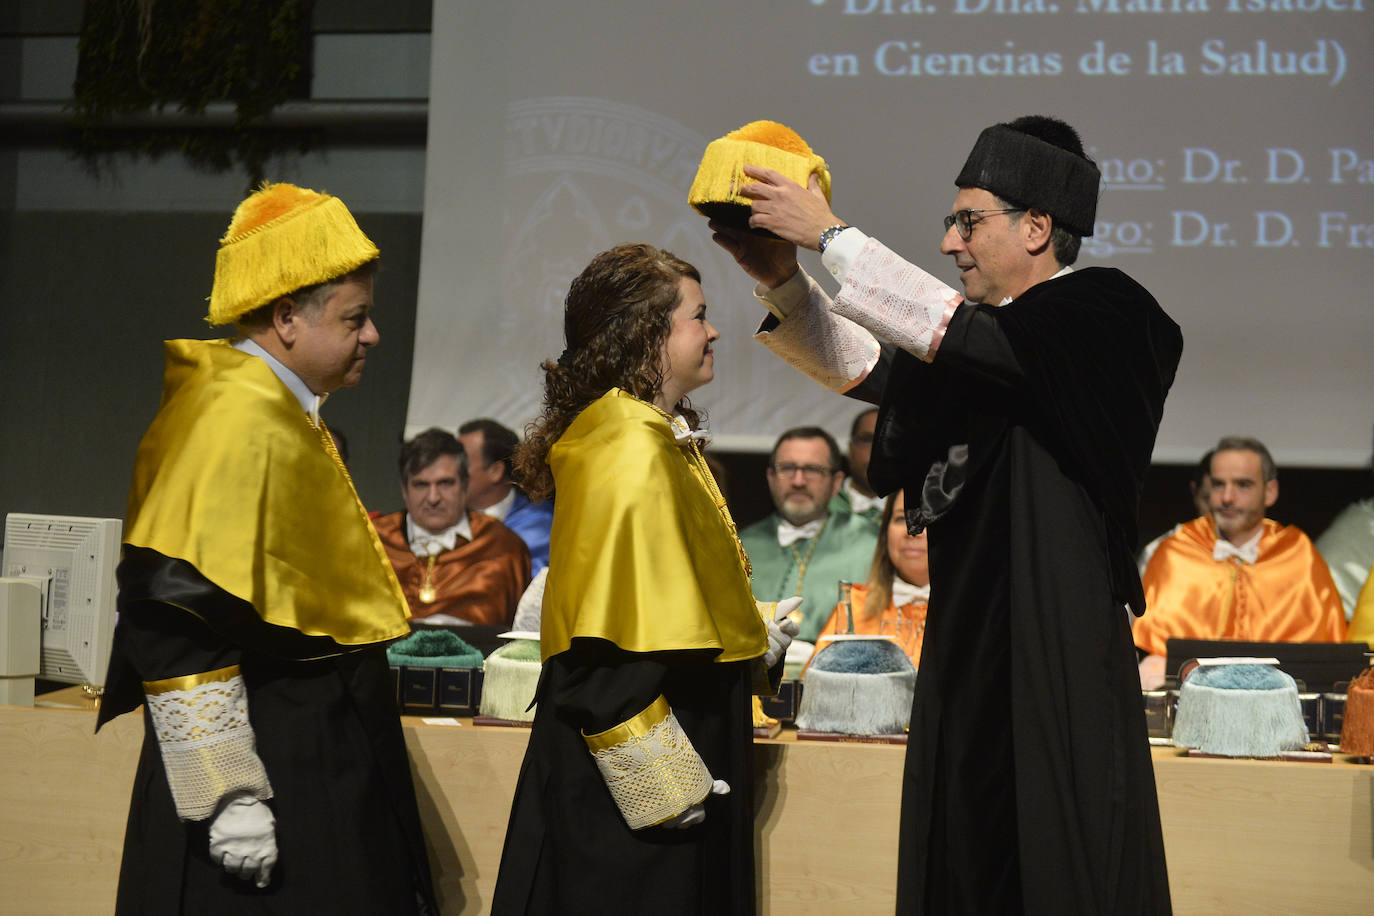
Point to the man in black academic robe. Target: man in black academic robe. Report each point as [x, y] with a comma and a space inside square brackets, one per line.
[1020, 420]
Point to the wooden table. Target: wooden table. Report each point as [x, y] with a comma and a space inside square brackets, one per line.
[1242, 836]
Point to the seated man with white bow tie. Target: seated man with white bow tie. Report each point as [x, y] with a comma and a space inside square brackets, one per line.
[804, 548]
[455, 566]
[1235, 574]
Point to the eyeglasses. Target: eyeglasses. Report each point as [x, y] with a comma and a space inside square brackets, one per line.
[812, 472]
[965, 220]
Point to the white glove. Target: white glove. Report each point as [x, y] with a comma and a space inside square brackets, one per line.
[243, 839]
[697, 813]
[781, 630]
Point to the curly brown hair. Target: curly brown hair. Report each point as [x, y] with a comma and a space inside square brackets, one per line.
[616, 319]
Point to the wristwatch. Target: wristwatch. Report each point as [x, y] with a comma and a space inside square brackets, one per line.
[828, 236]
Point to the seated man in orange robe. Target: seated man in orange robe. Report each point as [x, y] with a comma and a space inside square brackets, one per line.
[1236, 574]
[455, 566]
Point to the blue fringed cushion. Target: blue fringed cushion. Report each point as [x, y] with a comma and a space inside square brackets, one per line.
[862, 656]
[1239, 711]
[1241, 677]
[858, 687]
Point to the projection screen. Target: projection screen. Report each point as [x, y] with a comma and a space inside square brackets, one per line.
[1236, 141]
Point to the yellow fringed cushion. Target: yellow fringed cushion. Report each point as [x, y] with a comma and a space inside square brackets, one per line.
[760, 143]
[283, 238]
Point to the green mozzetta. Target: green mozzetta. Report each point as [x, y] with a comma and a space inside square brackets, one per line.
[843, 551]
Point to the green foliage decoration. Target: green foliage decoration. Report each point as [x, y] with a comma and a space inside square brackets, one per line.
[141, 56]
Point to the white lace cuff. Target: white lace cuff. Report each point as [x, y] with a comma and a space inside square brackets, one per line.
[208, 749]
[834, 351]
[650, 766]
[897, 301]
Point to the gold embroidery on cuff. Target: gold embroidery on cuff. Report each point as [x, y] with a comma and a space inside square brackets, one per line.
[650, 766]
[635, 727]
[189, 681]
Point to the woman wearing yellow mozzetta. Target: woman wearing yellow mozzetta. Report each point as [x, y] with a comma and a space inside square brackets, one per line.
[635, 790]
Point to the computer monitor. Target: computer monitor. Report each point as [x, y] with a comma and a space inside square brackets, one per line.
[72, 561]
[1319, 665]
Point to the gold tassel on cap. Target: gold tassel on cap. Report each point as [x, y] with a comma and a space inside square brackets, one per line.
[760, 143]
[283, 238]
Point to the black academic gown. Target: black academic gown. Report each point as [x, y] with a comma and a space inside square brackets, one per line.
[327, 731]
[1028, 784]
[568, 850]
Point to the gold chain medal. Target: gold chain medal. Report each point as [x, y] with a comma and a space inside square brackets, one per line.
[704, 470]
[708, 480]
[428, 593]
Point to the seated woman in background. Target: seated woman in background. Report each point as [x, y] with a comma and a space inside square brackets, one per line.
[893, 602]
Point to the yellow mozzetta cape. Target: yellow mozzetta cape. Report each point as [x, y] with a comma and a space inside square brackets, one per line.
[1362, 624]
[640, 554]
[233, 478]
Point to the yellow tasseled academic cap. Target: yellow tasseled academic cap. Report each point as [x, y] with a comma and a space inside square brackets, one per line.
[283, 238]
[762, 143]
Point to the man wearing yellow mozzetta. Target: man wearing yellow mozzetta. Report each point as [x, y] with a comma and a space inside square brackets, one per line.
[256, 600]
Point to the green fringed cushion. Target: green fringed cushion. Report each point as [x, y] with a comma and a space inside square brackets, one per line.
[433, 648]
[520, 650]
[512, 675]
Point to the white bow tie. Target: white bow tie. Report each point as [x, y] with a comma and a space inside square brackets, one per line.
[904, 593]
[789, 534]
[684, 433]
[860, 503]
[434, 544]
[426, 543]
[1246, 553]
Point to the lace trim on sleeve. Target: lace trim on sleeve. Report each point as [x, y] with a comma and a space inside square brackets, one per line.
[833, 351]
[208, 749]
[650, 766]
[897, 301]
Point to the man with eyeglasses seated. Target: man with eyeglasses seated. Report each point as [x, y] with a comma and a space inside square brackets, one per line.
[803, 547]
[856, 493]
[1019, 419]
